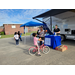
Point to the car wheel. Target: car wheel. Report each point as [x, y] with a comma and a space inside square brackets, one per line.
[63, 38]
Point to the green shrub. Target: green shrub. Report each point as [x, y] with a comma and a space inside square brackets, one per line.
[2, 33]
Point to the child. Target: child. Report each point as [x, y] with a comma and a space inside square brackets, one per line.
[16, 38]
[35, 42]
[19, 35]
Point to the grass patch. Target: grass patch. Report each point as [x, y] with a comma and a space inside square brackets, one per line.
[28, 33]
[9, 36]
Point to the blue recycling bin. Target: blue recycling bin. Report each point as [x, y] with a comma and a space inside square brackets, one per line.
[52, 41]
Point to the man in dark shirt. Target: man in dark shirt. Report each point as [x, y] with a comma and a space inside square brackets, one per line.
[57, 30]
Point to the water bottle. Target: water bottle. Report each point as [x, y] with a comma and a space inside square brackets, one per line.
[54, 33]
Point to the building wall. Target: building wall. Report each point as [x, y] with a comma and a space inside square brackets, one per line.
[1, 29]
[31, 29]
[10, 28]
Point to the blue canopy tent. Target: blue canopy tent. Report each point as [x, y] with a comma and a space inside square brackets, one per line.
[33, 24]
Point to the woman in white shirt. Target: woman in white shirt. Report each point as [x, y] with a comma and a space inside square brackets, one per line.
[42, 34]
[16, 38]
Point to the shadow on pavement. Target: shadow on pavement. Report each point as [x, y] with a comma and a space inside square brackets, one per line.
[69, 42]
[28, 41]
[24, 50]
[12, 43]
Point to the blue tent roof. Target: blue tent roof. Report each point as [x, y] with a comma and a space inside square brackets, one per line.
[31, 24]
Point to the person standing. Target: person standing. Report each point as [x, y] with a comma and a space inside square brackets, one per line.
[56, 30]
[19, 35]
[16, 38]
[42, 34]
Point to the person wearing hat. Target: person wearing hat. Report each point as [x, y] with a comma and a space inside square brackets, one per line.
[42, 34]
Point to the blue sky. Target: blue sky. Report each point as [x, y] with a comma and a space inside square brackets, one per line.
[19, 16]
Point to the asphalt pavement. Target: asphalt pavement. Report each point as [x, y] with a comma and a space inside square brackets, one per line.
[10, 54]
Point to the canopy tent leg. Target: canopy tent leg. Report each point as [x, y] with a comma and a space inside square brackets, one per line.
[25, 35]
[24, 29]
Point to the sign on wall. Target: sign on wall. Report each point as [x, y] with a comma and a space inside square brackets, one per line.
[13, 26]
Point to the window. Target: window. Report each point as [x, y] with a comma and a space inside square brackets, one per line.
[13, 26]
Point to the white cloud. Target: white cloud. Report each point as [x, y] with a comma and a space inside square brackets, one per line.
[8, 15]
[33, 12]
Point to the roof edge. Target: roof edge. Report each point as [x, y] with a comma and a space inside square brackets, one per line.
[52, 12]
[42, 13]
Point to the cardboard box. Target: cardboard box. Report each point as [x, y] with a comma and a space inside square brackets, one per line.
[61, 48]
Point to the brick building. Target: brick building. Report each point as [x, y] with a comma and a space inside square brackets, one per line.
[1, 28]
[12, 28]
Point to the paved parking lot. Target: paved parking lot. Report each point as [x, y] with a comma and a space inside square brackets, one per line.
[10, 54]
